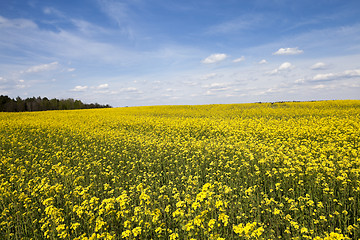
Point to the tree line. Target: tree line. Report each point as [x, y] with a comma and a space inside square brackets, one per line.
[8, 104]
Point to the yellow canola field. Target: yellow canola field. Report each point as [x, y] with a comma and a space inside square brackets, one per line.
[239, 171]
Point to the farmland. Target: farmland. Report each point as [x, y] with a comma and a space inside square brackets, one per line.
[237, 171]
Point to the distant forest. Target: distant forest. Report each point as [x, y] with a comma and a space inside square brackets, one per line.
[8, 104]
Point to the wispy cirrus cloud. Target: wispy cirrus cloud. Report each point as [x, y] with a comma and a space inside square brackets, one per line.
[121, 13]
[116, 10]
[240, 23]
[27, 37]
[18, 23]
[54, 12]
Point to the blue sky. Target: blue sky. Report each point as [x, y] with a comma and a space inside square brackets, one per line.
[160, 52]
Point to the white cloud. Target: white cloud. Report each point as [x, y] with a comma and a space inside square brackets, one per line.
[208, 76]
[71, 69]
[332, 76]
[300, 80]
[318, 66]
[242, 58]
[322, 77]
[263, 61]
[282, 67]
[79, 89]
[217, 85]
[129, 89]
[19, 86]
[102, 86]
[213, 58]
[285, 65]
[319, 86]
[42, 67]
[288, 51]
[209, 93]
[275, 71]
[351, 73]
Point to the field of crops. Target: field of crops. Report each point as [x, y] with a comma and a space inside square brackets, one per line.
[241, 171]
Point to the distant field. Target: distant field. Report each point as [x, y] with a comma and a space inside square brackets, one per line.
[240, 171]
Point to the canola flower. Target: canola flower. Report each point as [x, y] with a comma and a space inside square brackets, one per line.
[238, 171]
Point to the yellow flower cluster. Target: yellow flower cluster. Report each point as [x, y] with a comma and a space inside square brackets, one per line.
[249, 231]
[239, 171]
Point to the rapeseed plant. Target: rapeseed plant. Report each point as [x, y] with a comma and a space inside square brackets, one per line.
[239, 171]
